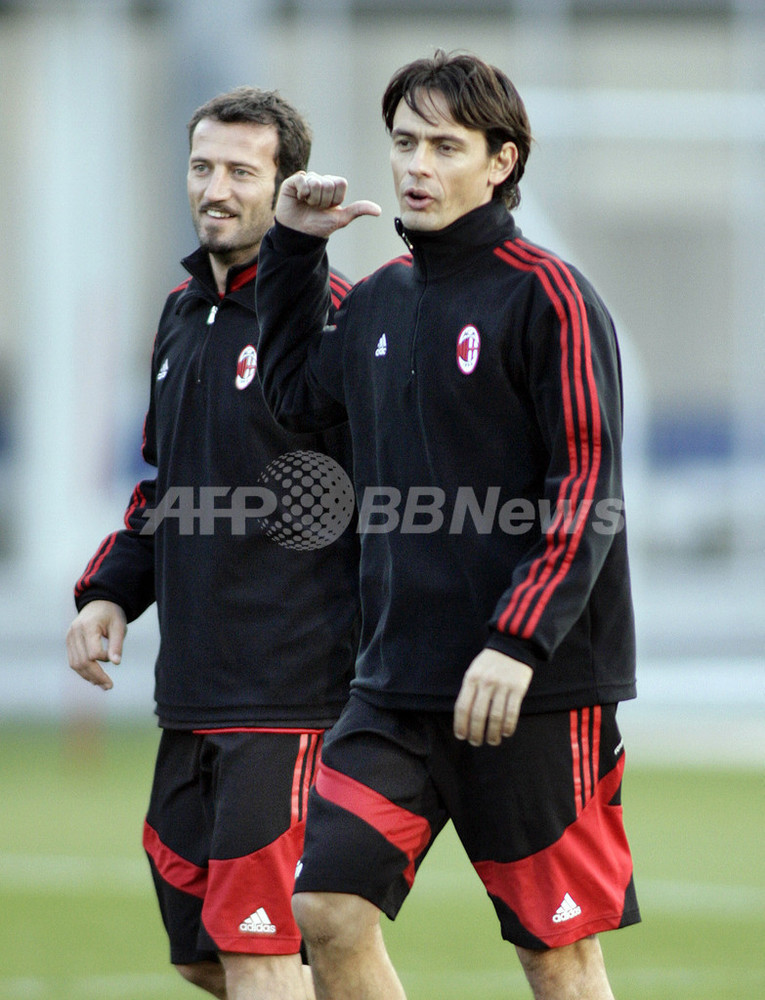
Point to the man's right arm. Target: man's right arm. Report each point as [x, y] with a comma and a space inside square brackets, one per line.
[116, 587]
[118, 584]
[95, 636]
[121, 569]
[298, 359]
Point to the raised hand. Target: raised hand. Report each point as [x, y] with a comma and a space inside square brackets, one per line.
[313, 203]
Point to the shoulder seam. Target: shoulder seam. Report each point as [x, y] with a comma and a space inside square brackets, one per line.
[179, 288]
[406, 259]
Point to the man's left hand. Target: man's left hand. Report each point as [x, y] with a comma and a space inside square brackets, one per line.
[489, 701]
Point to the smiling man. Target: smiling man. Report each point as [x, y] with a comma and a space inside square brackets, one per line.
[481, 379]
[231, 185]
[257, 639]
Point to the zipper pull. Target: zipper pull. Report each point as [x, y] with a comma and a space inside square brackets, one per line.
[402, 233]
[211, 317]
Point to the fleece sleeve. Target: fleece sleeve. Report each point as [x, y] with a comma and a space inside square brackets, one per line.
[122, 568]
[299, 357]
[575, 387]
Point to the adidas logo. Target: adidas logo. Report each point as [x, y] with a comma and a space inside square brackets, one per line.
[567, 910]
[382, 347]
[164, 369]
[257, 923]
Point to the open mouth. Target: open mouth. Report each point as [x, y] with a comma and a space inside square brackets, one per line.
[417, 199]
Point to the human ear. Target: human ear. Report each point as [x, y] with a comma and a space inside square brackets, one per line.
[502, 163]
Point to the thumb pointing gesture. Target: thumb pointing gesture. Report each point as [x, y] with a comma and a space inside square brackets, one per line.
[313, 204]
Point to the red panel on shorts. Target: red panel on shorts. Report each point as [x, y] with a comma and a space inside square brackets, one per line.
[406, 830]
[248, 904]
[175, 870]
[576, 886]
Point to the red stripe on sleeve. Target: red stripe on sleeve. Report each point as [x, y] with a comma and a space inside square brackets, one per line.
[94, 565]
[339, 288]
[577, 489]
[137, 501]
[339, 283]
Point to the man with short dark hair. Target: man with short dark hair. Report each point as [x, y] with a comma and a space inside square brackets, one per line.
[255, 587]
[480, 376]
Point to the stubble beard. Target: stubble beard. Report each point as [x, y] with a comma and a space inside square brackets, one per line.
[229, 250]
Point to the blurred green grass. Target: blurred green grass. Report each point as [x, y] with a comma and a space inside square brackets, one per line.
[78, 919]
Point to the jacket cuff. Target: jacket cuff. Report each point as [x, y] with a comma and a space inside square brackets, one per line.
[90, 595]
[288, 240]
[511, 646]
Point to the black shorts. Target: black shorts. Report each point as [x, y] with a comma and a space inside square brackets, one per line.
[539, 816]
[223, 833]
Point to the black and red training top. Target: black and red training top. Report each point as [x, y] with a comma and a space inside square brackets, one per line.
[481, 379]
[257, 626]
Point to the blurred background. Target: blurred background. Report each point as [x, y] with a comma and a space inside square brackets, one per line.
[648, 173]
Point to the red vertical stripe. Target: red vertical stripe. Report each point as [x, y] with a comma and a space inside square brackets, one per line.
[576, 759]
[137, 502]
[586, 759]
[93, 566]
[585, 753]
[339, 288]
[596, 714]
[558, 542]
[588, 479]
[532, 596]
[304, 773]
[297, 779]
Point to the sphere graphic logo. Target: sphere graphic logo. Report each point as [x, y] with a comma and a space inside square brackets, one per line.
[314, 500]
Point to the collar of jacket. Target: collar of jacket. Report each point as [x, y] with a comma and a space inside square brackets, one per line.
[443, 251]
[240, 280]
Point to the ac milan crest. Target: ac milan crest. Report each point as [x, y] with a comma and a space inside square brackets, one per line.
[468, 349]
[246, 366]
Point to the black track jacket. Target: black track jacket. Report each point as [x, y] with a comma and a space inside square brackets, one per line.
[252, 632]
[481, 379]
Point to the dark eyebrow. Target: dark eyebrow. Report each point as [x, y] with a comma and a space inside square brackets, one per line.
[439, 137]
[231, 164]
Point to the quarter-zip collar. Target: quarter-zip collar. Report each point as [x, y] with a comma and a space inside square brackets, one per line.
[240, 280]
[444, 251]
